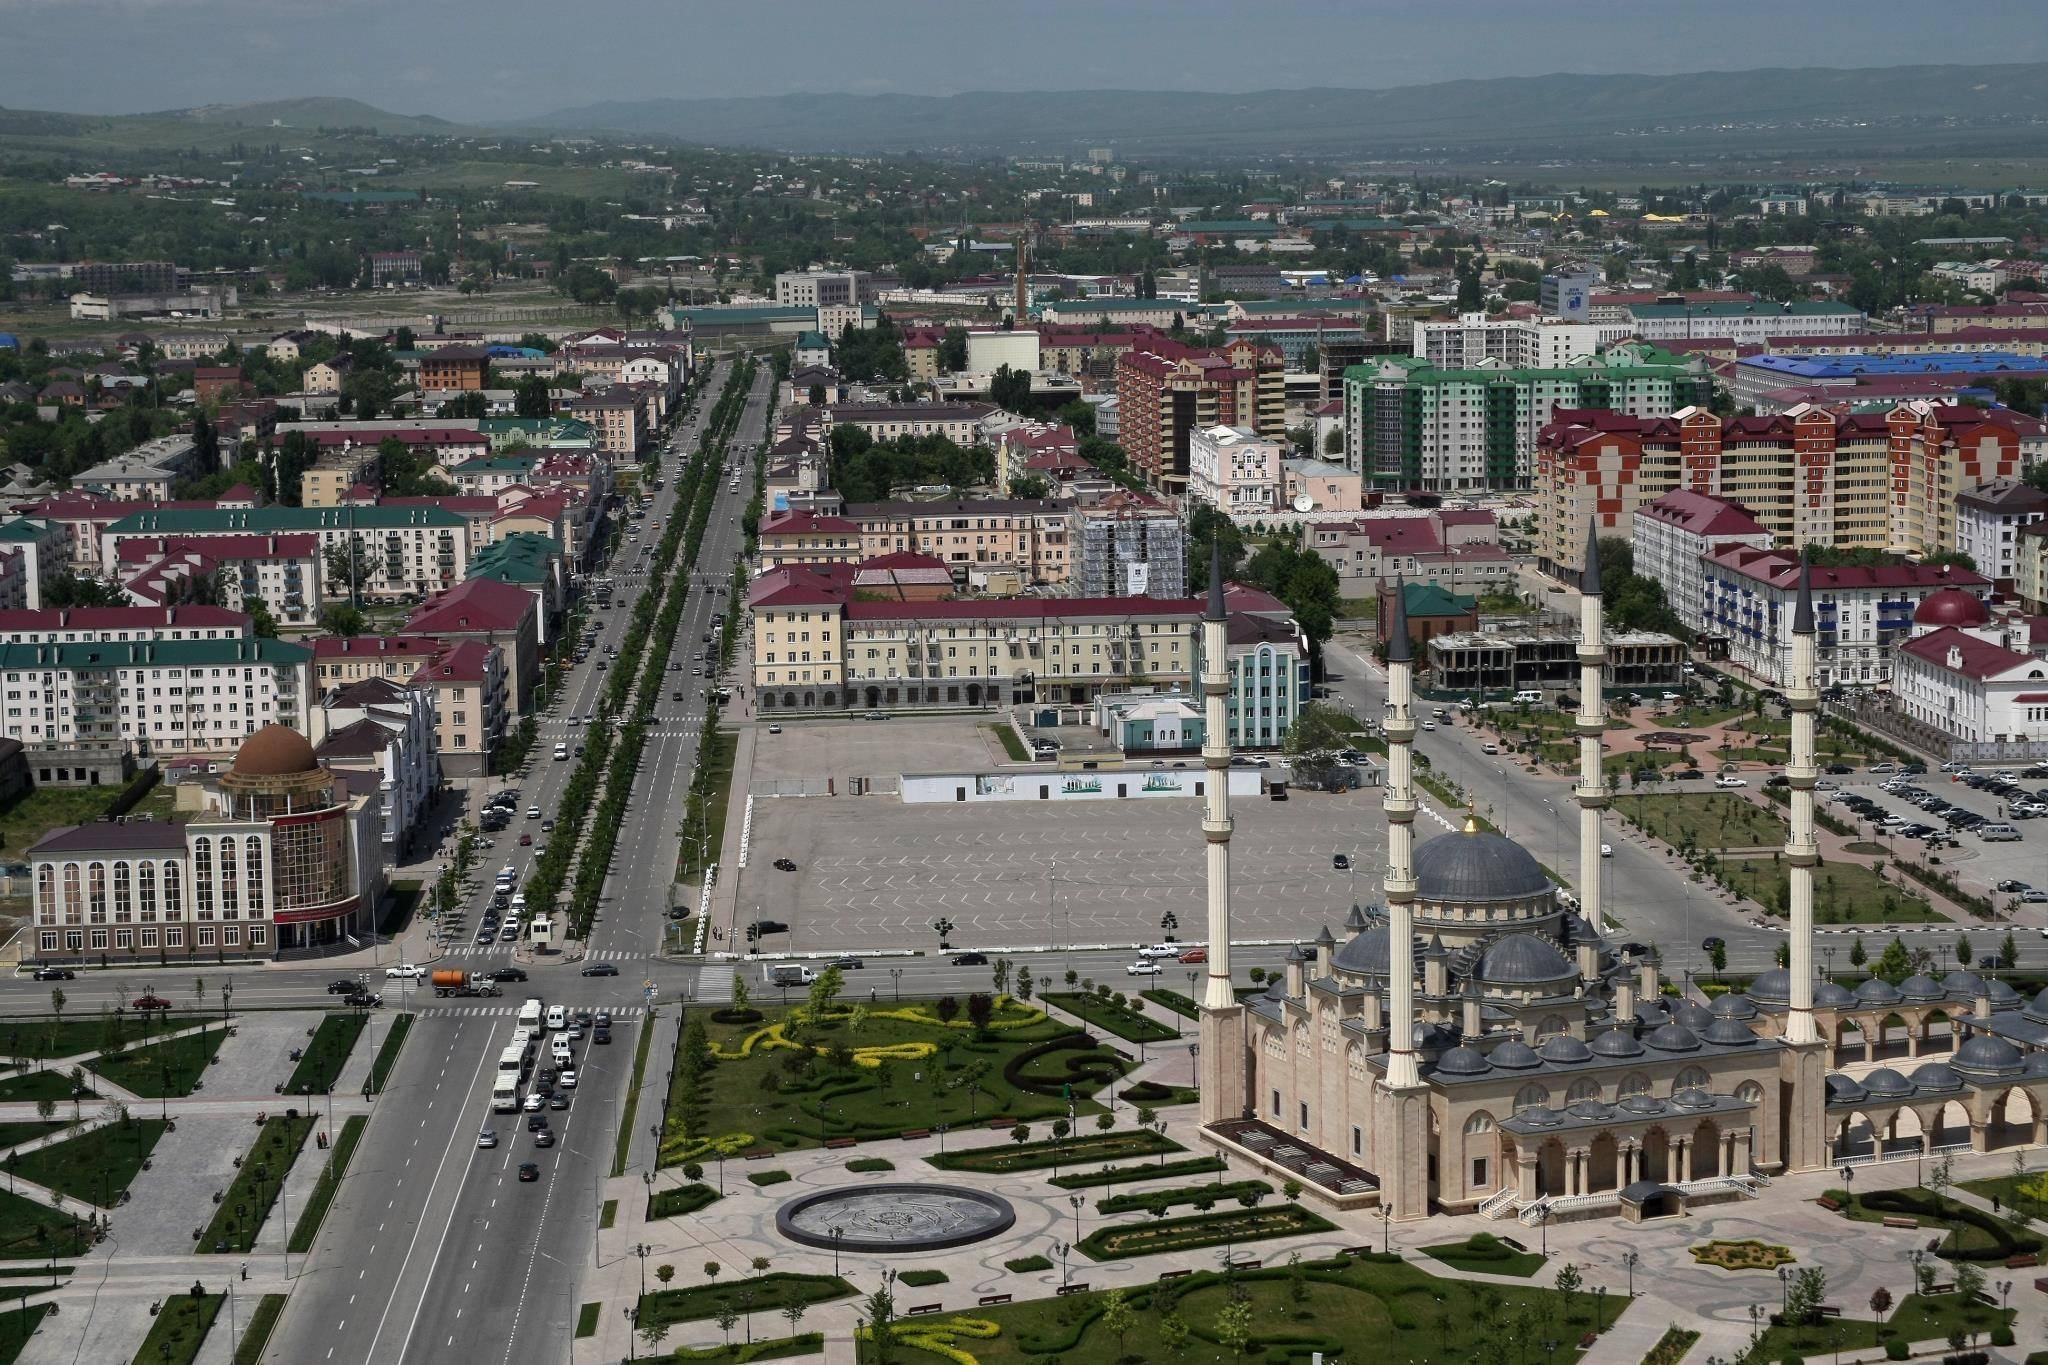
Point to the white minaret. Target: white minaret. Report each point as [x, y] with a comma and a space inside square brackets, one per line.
[1592, 792]
[1802, 851]
[1220, 1077]
[1216, 823]
[1399, 804]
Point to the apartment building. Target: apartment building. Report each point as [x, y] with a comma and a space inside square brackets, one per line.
[1988, 522]
[454, 369]
[1166, 392]
[472, 704]
[1809, 476]
[823, 288]
[1743, 322]
[1975, 688]
[384, 731]
[397, 551]
[1235, 471]
[492, 613]
[1937, 454]
[791, 537]
[1674, 533]
[959, 423]
[1456, 550]
[617, 419]
[191, 696]
[1476, 339]
[1129, 545]
[283, 572]
[1033, 536]
[1409, 425]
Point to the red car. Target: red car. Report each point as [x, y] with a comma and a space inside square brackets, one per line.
[151, 1002]
[526, 841]
[1195, 955]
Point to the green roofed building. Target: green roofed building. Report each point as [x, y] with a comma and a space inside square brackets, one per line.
[1433, 610]
[158, 696]
[529, 560]
[1409, 425]
[400, 551]
[538, 433]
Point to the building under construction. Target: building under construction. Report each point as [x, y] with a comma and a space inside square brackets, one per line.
[1130, 546]
[1518, 661]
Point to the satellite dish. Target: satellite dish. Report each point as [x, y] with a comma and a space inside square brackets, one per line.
[1304, 503]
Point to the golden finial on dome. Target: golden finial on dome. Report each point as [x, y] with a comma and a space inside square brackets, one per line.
[1471, 818]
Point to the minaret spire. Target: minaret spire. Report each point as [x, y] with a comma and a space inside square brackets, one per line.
[1399, 805]
[1223, 1059]
[1802, 850]
[1591, 723]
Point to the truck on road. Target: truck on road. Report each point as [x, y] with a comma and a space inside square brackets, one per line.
[463, 983]
[790, 974]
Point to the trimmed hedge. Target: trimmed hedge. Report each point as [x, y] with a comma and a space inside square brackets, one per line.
[918, 1279]
[682, 1199]
[2005, 1243]
[1200, 1230]
[1123, 1175]
[1158, 1201]
[1085, 1073]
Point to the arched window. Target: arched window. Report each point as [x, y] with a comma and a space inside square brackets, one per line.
[46, 893]
[1749, 1092]
[145, 889]
[230, 890]
[1692, 1078]
[174, 892]
[1552, 1025]
[1585, 1088]
[202, 878]
[96, 892]
[124, 909]
[1529, 1096]
[252, 868]
[1635, 1083]
[1481, 1122]
[74, 895]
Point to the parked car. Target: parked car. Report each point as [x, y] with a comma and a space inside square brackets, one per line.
[1728, 780]
[1341, 861]
[66, 974]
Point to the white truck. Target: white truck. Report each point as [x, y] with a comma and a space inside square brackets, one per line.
[790, 974]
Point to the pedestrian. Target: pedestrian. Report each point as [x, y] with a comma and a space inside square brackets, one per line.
[245, 1270]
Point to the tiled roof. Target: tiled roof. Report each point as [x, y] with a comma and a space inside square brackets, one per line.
[1702, 514]
[124, 618]
[1780, 569]
[460, 661]
[138, 835]
[371, 646]
[1975, 658]
[789, 523]
[137, 549]
[474, 604]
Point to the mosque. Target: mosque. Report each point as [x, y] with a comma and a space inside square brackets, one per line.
[1478, 1044]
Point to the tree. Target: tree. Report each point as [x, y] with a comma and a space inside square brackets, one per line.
[1030, 486]
[1963, 950]
[472, 405]
[1174, 1333]
[881, 1315]
[341, 619]
[260, 619]
[980, 1009]
[1315, 742]
[947, 1009]
[1025, 984]
[824, 991]
[711, 1269]
[1569, 1282]
[653, 1331]
[953, 350]
[1718, 956]
[1020, 1134]
[57, 1002]
[1805, 1294]
[1118, 1318]
[1858, 955]
[1302, 579]
[2008, 952]
[1234, 1328]
[727, 1318]
[795, 1313]
[1969, 1281]
[1880, 1302]
[1207, 524]
[1010, 389]
[1894, 964]
[530, 397]
[664, 1273]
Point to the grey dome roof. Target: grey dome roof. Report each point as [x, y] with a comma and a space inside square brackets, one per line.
[1842, 1088]
[1985, 1055]
[1936, 1076]
[1673, 1038]
[1462, 1061]
[1728, 1033]
[2003, 996]
[2037, 1064]
[1877, 991]
[1732, 1006]
[1693, 1015]
[1773, 987]
[1563, 1047]
[1693, 1099]
[1523, 960]
[1477, 866]
[1921, 988]
[1590, 1109]
[1515, 1055]
[2037, 1009]
[1885, 1081]
[1539, 1116]
[1641, 1104]
[1617, 1042]
[1962, 983]
[1365, 954]
[1833, 995]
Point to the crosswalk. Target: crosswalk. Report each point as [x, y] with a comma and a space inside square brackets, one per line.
[505, 950]
[501, 1011]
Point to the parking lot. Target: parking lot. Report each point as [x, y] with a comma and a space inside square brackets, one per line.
[808, 754]
[873, 873]
[1979, 864]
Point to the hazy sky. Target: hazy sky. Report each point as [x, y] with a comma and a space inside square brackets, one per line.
[499, 58]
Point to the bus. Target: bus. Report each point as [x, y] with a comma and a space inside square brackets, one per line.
[529, 1014]
[512, 1061]
[505, 1094]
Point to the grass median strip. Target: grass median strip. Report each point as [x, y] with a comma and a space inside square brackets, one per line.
[262, 1322]
[247, 1201]
[94, 1167]
[1106, 1012]
[1200, 1230]
[387, 1055]
[21, 1330]
[170, 1068]
[769, 1293]
[625, 1138]
[586, 1319]
[329, 1183]
[180, 1329]
[321, 1063]
[31, 1230]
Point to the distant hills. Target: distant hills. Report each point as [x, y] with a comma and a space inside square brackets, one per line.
[1987, 109]
[314, 112]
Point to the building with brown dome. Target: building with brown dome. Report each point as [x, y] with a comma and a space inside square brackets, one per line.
[278, 853]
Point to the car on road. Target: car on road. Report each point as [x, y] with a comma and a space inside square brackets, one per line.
[600, 1034]
[1707, 945]
[1728, 780]
[535, 1120]
[569, 1078]
[544, 1138]
[1607, 850]
[1838, 769]
[151, 1002]
[558, 1101]
[528, 1172]
[1429, 725]
[64, 974]
[409, 971]
[487, 1138]
[363, 1000]
[526, 841]
[1341, 861]
[1143, 967]
[970, 959]
[848, 963]
[601, 969]
[775, 729]
[1194, 955]
[533, 812]
[509, 974]
[2033, 897]
[785, 864]
[534, 1103]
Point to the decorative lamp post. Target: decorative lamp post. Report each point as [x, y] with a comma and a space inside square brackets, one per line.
[1628, 1263]
[837, 1233]
[1076, 1201]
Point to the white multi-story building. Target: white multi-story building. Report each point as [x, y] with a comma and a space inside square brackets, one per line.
[1972, 689]
[1744, 322]
[821, 288]
[1235, 470]
[385, 728]
[1672, 534]
[1988, 521]
[400, 550]
[121, 625]
[159, 697]
[1535, 343]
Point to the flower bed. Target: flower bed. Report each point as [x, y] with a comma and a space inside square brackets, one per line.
[1745, 1255]
[1200, 1230]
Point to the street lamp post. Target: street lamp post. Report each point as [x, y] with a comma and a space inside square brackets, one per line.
[896, 983]
[837, 1233]
[1077, 1201]
[1628, 1263]
[1386, 1230]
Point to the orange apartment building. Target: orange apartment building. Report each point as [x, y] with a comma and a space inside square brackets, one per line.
[1031, 535]
[1167, 391]
[454, 369]
[793, 537]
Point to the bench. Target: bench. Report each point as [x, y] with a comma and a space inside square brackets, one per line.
[1174, 1274]
[840, 1144]
[999, 1125]
[1830, 1205]
[1242, 1265]
[909, 1133]
[2041, 1283]
[2023, 1261]
[923, 1309]
[991, 1300]
[1067, 1289]
[1511, 1242]
[1828, 1310]
[1357, 1251]
[1934, 1244]
[756, 1153]
[1900, 1223]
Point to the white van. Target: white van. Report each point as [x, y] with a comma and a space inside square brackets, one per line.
[512, 1061]
[561, 753]
[505, 1094]
[559, 1050]
[518, 904]
[1529, 695]
[558, 1018]
[789, 974]
[529, 1013]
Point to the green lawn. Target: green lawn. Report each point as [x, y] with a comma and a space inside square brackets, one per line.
[777, 1348]
[1201, 1196]
[632, 1109]
[1130, 1175]
[248, 1200]
[704, 819]
[69, 1035]
[14, 1134]
[682, 1199]
[176, 1333]
[329, 1183]
[387, 1052]
[93, 1167]
[37, 1085]
[33, 814]
[321, 1063]
[767, 1294]
[1338, 1307]
[1077, 1150]
[1222, 1228]
[171, 1068]
[586, 1319]
[17, 1329]
[1916, 1318]
[1013, 747]
[1105, 1013]
[1485, 1254]
[249, 1351]
[34, 1231]
[1843, 893]
[1710, 821]
[923, 1073]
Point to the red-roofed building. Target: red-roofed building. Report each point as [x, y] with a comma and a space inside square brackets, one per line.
[1167, 391]
[1972, 690]
[1019, 445]
[1864, 614]
[495, 613]
[1675, 532]
[77, 625]
[282, 571]
[809, 538]
[1463, 556]
[471, 707]
[904, 577]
